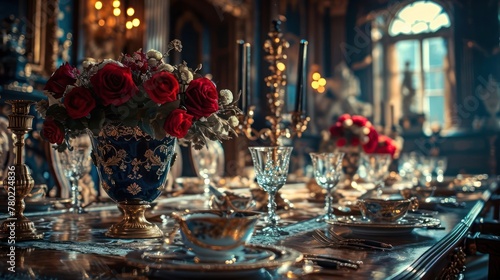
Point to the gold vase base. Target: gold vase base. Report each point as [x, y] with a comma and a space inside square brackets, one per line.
[24, 231]
[134, 224]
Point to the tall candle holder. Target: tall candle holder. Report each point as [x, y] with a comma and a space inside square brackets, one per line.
[19, 182]
[275, 47]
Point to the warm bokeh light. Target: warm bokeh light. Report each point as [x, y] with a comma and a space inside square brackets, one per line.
[98, 5]
[136, 22]
[130, 12]
[315, 84]
[322, 82]
[116, 3]
[316, 76]
[281, 66]
[117, 11]
[101, 22]
[129, 25]
[321, 89]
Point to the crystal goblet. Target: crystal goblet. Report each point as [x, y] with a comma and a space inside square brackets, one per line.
[377, 167]
[327, 168]
[75, 161]
[271, 170]
[440, 167]
[207, 161]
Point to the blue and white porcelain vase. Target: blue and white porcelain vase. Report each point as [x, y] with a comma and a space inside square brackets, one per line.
[133, 169]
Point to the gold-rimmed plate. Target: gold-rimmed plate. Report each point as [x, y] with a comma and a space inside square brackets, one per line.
[360, 226]
[183, 263]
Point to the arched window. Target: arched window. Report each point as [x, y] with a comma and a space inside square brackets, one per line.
[413, 66]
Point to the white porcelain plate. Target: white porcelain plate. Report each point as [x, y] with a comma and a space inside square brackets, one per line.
[361, 226]
[177, 261]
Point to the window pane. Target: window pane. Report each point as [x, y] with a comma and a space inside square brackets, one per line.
[436, 109]
[408, 51]
[434, 52]
[434, 80]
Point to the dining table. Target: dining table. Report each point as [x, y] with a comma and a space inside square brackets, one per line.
[74, 246]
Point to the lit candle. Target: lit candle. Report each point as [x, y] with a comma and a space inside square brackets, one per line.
[241, 74]
[248, 93]
[300, 103]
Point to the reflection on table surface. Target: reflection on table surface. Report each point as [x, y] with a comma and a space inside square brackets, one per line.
[74, 246]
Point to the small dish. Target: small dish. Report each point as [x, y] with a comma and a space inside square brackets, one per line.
[386, 210]
[360, 226]
[183, 262]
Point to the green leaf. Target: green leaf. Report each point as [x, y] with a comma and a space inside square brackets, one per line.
[75, 125]
[57, 112]
[96, 120]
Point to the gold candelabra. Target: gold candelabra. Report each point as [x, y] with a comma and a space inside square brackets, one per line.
[275, 47]
[18, 182]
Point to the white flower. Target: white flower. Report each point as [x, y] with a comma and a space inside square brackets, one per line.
[154, 54]
[233, 121]
[226, 96]
[186, 75]
[166, 67]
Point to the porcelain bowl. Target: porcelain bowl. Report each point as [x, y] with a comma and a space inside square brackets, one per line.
[386, 210]
[216, 236]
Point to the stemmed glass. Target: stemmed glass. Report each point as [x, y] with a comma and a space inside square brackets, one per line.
[327, 170]
[440, 167]
[271, 170]
[207, 162]
[377, 167]
[74, 162]
[427, 165]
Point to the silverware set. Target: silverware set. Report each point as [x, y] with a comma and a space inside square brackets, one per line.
[335, 240]
[332, 262]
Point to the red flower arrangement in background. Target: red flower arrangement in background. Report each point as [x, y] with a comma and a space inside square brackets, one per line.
[354, 131]
[358, 131]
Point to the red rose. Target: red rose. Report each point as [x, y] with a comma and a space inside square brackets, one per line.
[385, 145]
[138, 61]
[359, 120]
[341, 142]
[113, 84]
[62, 77]
[336, 130]
[372, 140]
[343, 117]
[163, 87]
[79, 102]
[202, 98]
[52, 131]
[178, 123]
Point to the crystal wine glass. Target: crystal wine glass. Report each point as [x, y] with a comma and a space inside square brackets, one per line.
[207, 162]
[327, 170]
[440, 167]
[427, 166]
[377, 167]
[74, 162]
[271, 170]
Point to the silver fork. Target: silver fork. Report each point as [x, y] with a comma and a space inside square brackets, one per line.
[369, 242]
[321, 237]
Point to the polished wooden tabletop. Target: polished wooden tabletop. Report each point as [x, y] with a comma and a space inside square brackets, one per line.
[75, 247]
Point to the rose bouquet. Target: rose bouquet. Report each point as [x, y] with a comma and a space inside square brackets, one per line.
[354, 131]
[138, 90]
